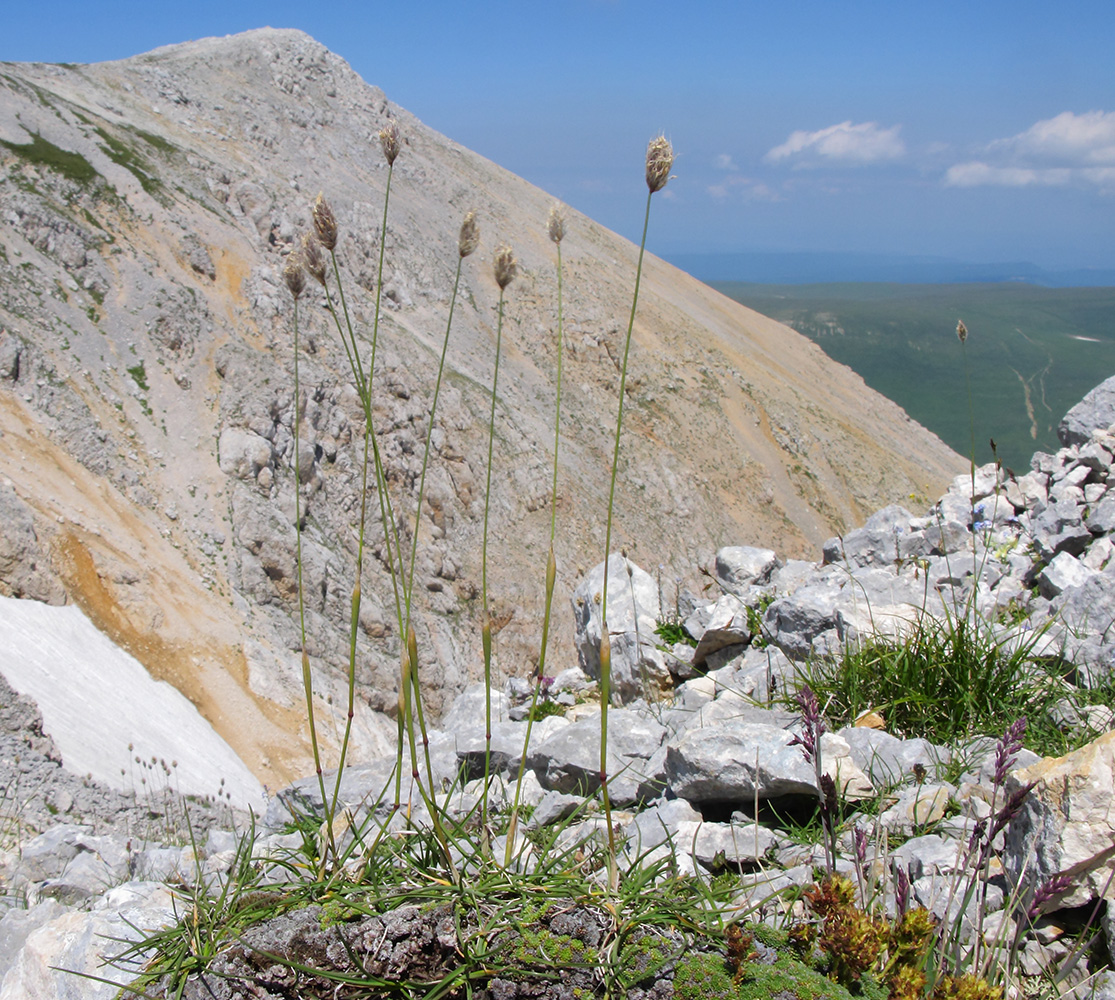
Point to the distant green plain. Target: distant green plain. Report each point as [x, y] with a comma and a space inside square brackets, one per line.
[1033, 352]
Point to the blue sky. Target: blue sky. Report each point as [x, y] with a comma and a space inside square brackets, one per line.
[979, 130]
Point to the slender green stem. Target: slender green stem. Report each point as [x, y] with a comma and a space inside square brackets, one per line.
[971, 609]
[346, 332]
[619, 415]
[307, 680]
[408, 587]
[605, 641]
[551, 575]
[379, 275]
[971, 417]
[486, 628]
[364, 388]
[557, 414]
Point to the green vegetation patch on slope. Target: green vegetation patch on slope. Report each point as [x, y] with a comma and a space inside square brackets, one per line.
[42, 152]
[1033, 352]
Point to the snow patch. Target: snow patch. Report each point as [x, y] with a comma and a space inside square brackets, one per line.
[96, 699]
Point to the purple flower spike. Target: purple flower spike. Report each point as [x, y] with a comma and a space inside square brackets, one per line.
[861, 845]
[1051, 888]
[812, 725]
[1007, 749]
[901, 889]
[1010, 810]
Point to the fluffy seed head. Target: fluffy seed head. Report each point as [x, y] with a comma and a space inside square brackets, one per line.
[555, 225]
[660, 157]
[312, 260]
[294, 274]
[505, 265]
[961, 331]
[325, 223]
[390, 141]
[469, 238]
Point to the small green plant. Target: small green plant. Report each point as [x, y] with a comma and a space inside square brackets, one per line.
[674, 633]
[139, 376]
[544, 708]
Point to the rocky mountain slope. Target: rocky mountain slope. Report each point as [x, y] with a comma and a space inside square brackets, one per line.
[146, 403]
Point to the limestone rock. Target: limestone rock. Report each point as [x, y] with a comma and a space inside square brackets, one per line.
[737, 763]
[741, 566]
[1067, 823]
[1096, 411]
[633, 609]
[25, 565]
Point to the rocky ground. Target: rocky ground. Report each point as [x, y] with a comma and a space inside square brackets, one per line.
[699, 777]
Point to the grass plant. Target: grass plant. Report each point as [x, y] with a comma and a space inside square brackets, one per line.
[504, 267]
[659, 161]
[951, 678]
[555, 228]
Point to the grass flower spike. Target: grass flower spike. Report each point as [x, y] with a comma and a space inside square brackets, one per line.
[469, 238]
[555, 225]
[390, 142]
[312, 258]
[294, 274]
[325, 223]
[660, 158]
[505, 265]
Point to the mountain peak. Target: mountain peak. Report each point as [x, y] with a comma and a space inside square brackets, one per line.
[147, 406]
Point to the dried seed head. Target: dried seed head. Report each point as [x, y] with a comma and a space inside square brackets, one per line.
[660, 157]
[961, 331]
[469, 238]
[294, 274]
[312, 260]
[325, 223]
[555, 225]
[505, 265]
[390, 141]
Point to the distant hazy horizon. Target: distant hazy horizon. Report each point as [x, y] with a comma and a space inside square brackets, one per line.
[819, 268]
[977, 132]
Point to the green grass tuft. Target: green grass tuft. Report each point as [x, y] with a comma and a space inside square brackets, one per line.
[954, 678]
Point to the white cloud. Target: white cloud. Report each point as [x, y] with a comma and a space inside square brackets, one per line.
[1068, 139]
[1058, 151]
[977, 172]
[724, 161]
[747, 189]
[846, 143]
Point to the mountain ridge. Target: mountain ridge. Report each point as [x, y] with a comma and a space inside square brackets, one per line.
[146, 350]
